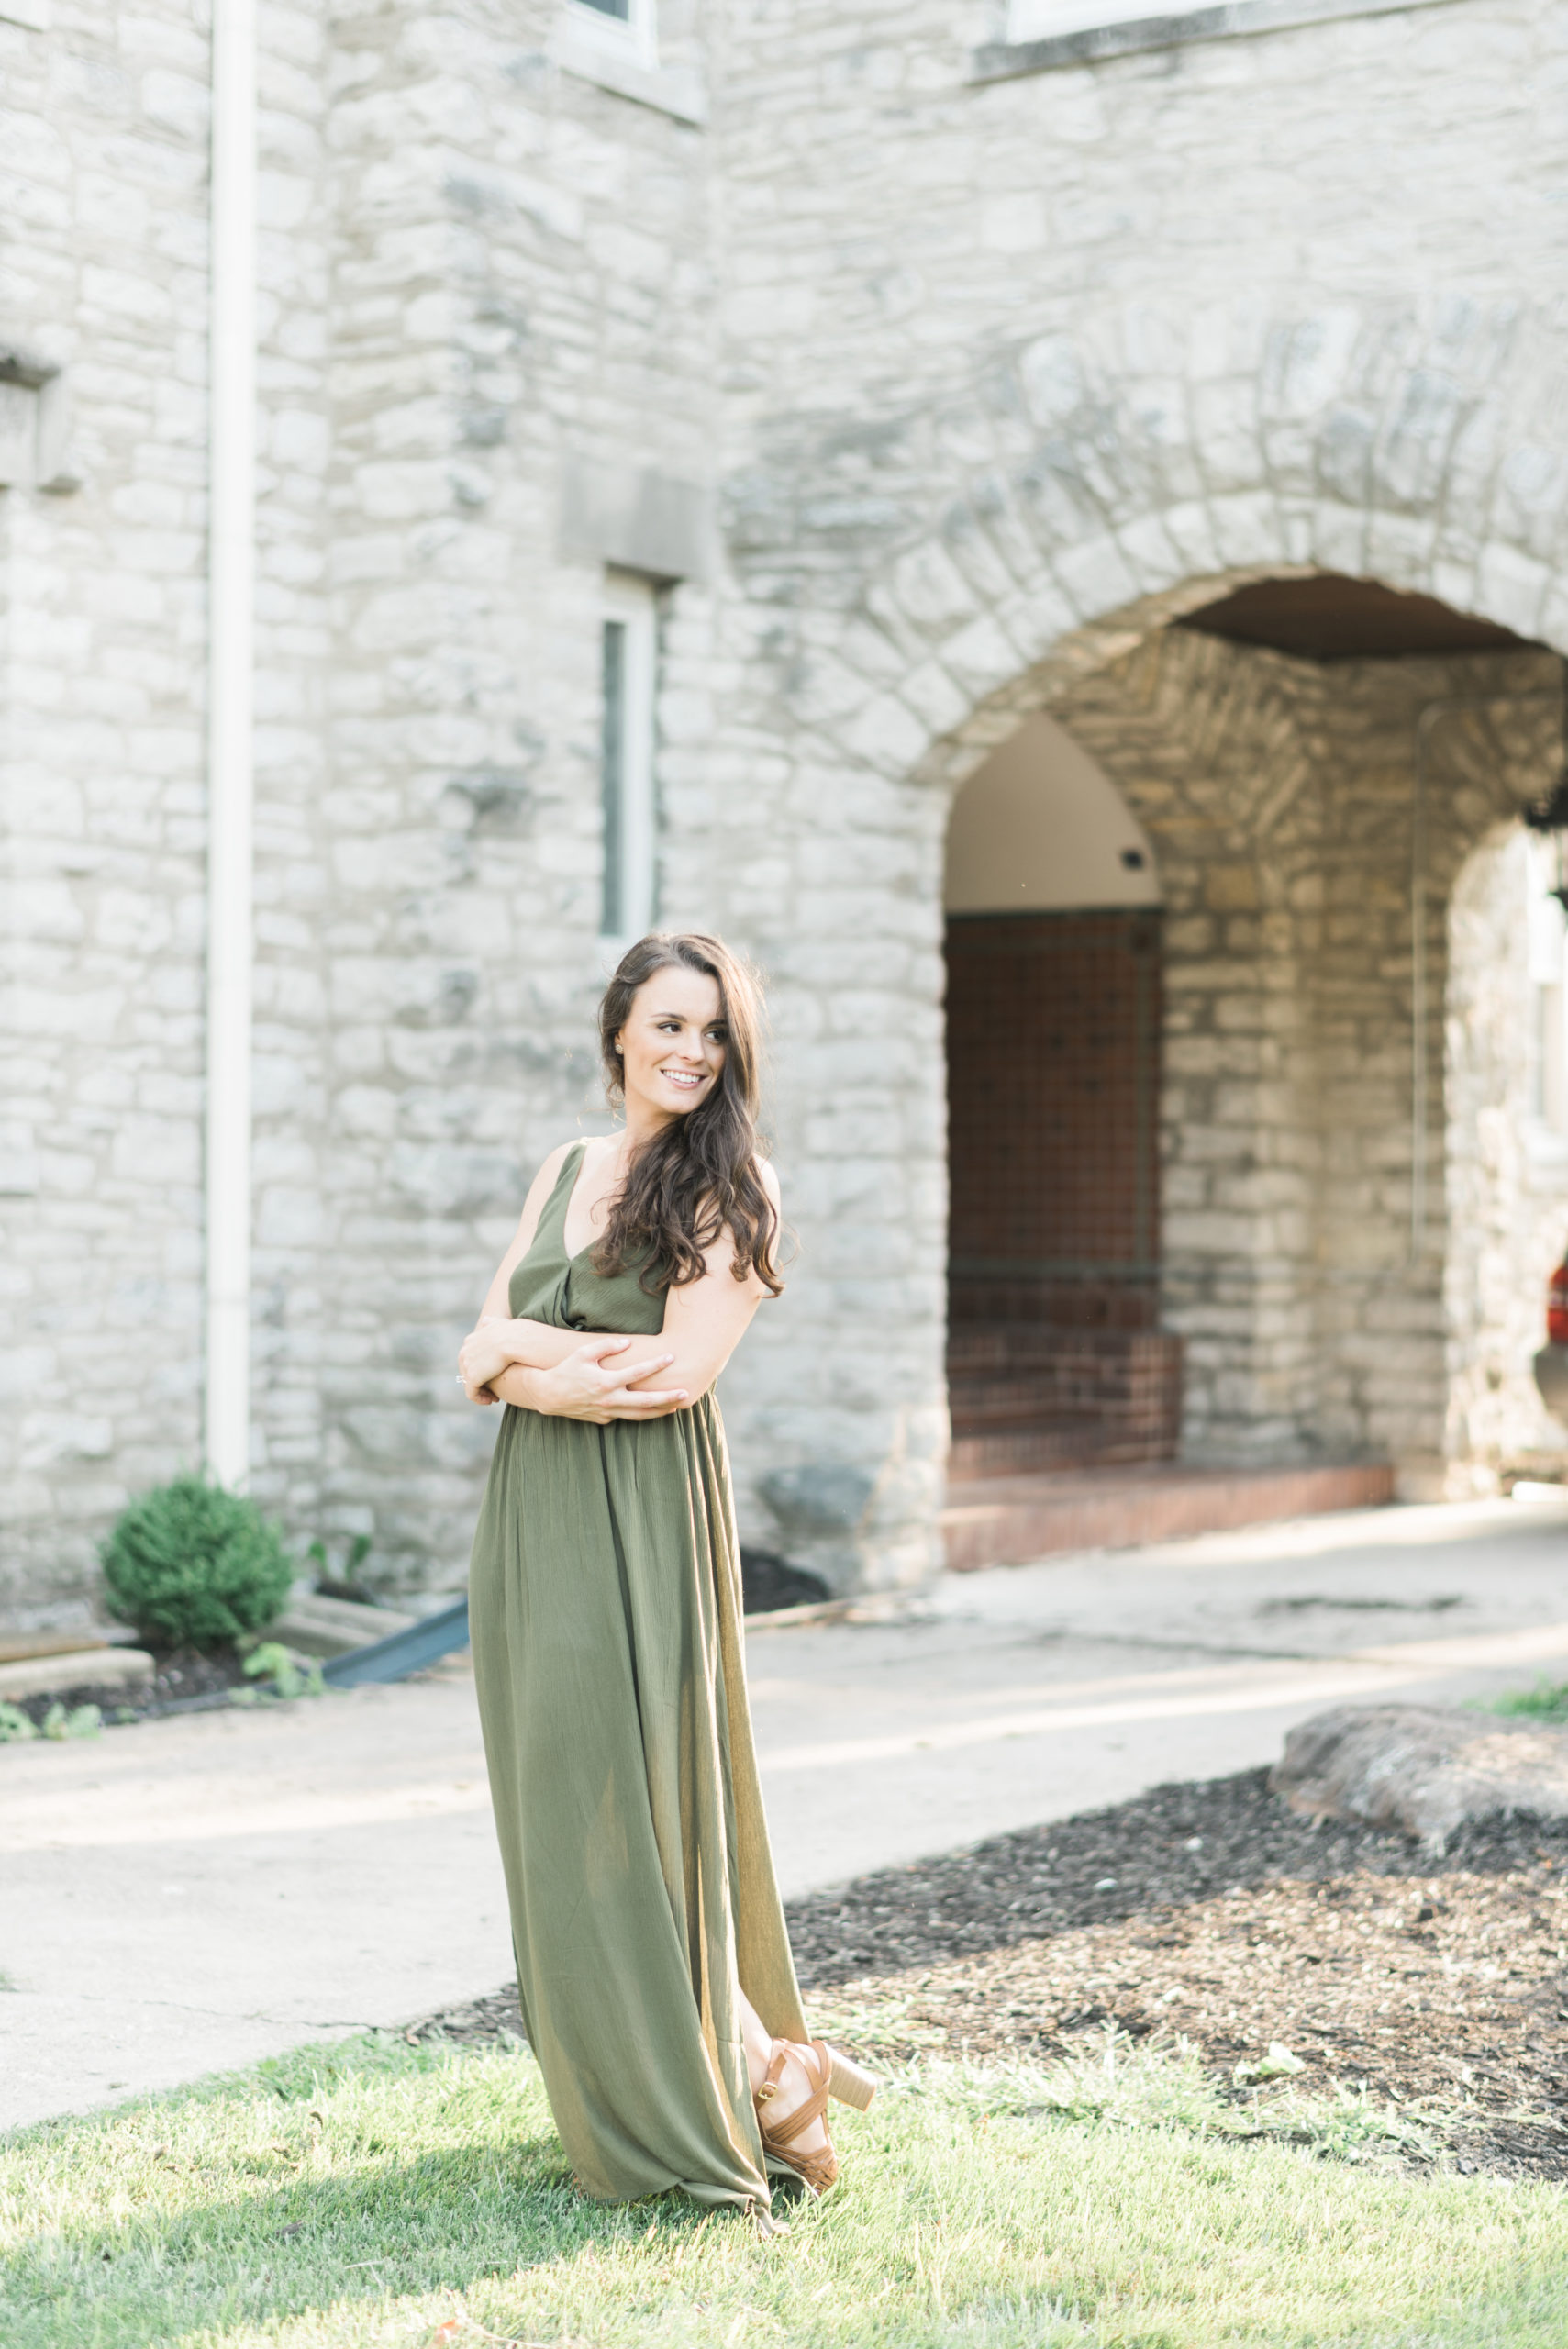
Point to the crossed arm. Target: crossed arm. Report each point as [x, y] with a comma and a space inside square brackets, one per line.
[608, 1376]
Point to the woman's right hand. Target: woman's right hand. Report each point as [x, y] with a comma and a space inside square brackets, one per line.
[595, 1383]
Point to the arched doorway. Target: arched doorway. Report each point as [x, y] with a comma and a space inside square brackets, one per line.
[1054, 1018]
[1200, 1146]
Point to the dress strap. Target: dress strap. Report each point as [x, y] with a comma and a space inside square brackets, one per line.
[559, 1203]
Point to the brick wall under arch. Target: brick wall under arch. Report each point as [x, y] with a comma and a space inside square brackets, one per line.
[1054, 1022]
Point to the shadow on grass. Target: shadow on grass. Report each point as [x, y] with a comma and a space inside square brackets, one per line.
[257, 2239]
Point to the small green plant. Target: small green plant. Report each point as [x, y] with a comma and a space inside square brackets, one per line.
[272, 1661]
[80, 1720]
[1278, 2063]
[1547, 1701]
[192, 1565]
[340, 1579]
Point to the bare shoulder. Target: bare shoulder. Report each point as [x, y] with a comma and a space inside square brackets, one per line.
[769, 1181]
[544, 1181]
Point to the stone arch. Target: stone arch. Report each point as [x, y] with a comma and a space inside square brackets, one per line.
[1083, 488]
[1023, 546]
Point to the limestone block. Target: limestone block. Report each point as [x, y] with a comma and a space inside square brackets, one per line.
[1184, 519]
[1230, 887]
[1513, 589]
[931, 591]
[980, 657]
[1095, 575]
[84, 1668]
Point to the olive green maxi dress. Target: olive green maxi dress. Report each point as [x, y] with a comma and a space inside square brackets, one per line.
[605, 1602]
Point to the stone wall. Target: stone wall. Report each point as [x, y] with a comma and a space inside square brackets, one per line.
[474, 267]
[1507, 1181]
[104, 274]
[519, 278]
[996, 381]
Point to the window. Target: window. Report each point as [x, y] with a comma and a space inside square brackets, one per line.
[1044, 19]
[623, 26]
[1041, 35]
[629, 672]
[614, 43]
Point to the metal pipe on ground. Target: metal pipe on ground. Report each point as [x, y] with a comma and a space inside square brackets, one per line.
[401, 1652]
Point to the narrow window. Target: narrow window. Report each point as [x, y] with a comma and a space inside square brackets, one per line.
[629, 665]
[1045, 19]
[624, 28]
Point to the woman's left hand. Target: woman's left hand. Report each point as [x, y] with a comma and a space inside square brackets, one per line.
[484, 1356]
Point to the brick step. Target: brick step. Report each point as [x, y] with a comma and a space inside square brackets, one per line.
[1067, 1443]
[1008, 1520]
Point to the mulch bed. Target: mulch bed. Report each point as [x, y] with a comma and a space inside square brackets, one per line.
[1211, 1911]
[181, 1682]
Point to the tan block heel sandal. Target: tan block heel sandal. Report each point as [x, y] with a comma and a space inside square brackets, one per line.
[831, 2074]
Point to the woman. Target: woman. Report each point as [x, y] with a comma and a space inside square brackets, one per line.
[653, 1967]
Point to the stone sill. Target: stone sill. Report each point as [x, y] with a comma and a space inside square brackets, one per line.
[1004, 61]
[33, 14]
[593, 56]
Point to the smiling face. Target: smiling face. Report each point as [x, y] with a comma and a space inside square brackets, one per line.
[672, 1046]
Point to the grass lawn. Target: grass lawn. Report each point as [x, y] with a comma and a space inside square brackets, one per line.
[377, 2193]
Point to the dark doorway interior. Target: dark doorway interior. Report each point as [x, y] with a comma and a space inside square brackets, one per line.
[1053, 1027]
[1324, 617]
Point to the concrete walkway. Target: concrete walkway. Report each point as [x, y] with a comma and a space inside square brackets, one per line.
[201, 1891]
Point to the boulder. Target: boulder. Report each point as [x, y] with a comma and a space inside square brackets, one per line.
[1425, 1769]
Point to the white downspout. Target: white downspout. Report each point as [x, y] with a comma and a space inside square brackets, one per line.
[231, 566]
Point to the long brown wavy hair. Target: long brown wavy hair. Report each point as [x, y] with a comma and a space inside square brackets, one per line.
[698, 1176]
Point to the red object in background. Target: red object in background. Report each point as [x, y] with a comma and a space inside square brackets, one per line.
[1557, 1307]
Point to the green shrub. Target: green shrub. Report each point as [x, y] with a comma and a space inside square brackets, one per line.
[192, 1565]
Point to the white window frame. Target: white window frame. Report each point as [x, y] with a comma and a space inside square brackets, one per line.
[1029, 20]
[628, 893]
[633, 39]
[1042, 35]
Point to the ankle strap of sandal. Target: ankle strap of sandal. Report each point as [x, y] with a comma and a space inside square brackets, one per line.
[784, 2131]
